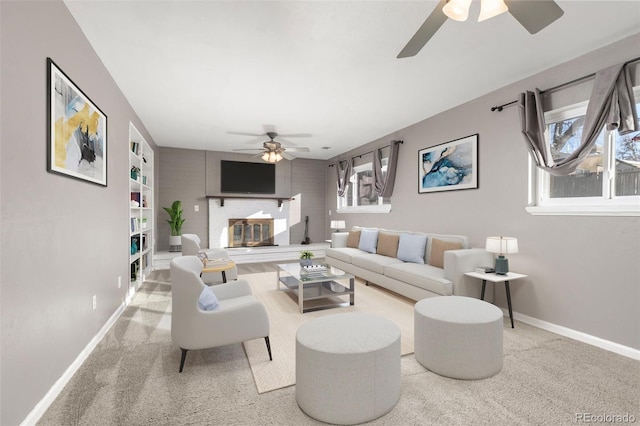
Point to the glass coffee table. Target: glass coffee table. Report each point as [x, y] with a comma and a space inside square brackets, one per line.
[317, 286]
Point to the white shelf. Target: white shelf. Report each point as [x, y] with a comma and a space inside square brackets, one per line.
[141, 262]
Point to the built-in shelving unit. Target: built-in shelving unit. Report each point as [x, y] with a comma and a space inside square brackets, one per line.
[141, 226]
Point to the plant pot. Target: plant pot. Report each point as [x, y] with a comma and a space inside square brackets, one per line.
[175, 243]
[306, 262]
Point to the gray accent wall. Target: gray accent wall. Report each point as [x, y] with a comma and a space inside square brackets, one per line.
[190, 175]
[63, 240]
[584, 272]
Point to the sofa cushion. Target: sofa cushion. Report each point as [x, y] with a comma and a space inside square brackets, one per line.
[373, 262]
[411, 247]
[354, 239]
[344, 253]
[388, 244]
[368, 240]
[438, 247]
[423, 276]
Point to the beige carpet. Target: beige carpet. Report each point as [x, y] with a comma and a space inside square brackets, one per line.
[285, 320]
[132, 379]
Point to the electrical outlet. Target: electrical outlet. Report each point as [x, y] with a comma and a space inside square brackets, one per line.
[196, 208]
[119, 281]
[95, 301]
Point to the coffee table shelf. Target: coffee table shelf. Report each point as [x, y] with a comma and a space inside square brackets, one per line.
[323, 288]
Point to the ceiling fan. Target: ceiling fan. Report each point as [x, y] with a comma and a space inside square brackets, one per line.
[273, 151]
[533, 15]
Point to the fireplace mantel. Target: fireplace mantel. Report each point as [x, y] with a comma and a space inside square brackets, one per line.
[246, 197]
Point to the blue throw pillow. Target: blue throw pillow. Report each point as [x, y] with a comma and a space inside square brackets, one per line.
[368, 240]
[207, 301]
[411, 248]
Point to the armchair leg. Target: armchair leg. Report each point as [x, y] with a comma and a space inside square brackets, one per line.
[182, 359]
[266, 339]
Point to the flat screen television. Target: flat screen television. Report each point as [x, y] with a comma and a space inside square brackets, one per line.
[247, 178]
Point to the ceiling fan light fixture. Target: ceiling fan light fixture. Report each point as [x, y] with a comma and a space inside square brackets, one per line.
[491, 8]
[278, 157]
[265, 156]
[458, 10]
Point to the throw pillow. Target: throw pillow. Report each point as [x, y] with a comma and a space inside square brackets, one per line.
[411, 247]
[388, 244]
[368, 240]
[438, 247]
[354, 239]
[207, 301]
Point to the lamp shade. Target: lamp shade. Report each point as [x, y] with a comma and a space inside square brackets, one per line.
[502, 245]
[458, 10]
[491, 8]
[338, 224]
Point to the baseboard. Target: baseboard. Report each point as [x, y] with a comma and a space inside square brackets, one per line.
[577, 335]
[42, 406]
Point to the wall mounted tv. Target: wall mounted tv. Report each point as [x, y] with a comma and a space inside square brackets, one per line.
[247, 178]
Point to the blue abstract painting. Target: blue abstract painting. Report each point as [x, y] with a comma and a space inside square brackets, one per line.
[449, 166]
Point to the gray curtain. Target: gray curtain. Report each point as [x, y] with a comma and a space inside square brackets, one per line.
[384, 183]
[344, 173]
[611, 103]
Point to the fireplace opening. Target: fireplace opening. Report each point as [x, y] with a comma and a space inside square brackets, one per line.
[250, 232]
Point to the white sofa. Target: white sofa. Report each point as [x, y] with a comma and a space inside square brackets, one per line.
[411, 279]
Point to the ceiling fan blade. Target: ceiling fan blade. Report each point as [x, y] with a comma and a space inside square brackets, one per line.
[287, 156]
[534, 15]
[425, 32]
[295, 135]
[298, 149]
[249, 149]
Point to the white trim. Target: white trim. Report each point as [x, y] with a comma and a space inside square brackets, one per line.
[608, 345]
[378, 208]
[41, 407]
[577, 210]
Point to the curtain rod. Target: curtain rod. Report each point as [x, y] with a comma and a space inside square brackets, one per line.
[559, 86]
[369, 152]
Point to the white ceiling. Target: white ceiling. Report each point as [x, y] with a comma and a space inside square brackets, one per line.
[198, 72]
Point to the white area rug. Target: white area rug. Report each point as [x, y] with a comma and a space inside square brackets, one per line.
[285, 320]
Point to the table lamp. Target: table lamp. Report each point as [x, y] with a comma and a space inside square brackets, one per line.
[338, 225]
[502, 246]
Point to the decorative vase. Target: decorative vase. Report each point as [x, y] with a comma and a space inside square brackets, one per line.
[175, 243]
[306, 262]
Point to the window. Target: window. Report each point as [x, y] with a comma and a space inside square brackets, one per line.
[607, 182]
[361, 196]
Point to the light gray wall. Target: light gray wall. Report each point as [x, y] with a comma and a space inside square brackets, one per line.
[190, 175]
[63, 240]
[308, 184]
[584, 272]
[182, 177]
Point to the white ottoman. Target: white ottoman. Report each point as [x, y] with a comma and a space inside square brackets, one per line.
[347, 368]
[458, 337]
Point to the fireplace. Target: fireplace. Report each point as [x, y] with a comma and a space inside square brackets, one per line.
[249, 232]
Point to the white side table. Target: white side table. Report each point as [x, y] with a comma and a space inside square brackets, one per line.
[495, 278]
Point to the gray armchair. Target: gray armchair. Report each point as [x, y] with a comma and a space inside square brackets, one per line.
[238, 317]
[191, 247]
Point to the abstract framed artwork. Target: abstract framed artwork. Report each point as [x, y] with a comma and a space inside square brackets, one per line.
[449, 166]
[77, 130]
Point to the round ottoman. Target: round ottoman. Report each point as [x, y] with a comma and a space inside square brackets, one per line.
[347, 367]
[458, 337]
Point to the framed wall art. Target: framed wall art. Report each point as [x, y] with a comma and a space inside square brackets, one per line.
[449, 166]
[77, 139]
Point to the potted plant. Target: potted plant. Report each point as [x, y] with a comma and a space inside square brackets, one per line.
[175, 221]
[305, 258]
